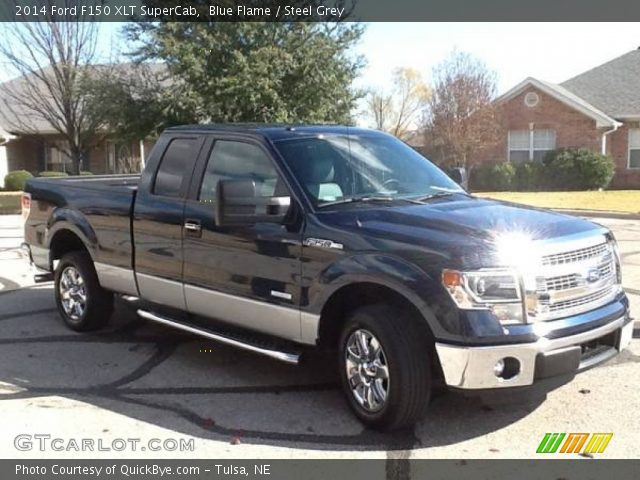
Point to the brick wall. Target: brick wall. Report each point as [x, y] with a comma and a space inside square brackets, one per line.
[618, 148]
[25, 154]
[573, 129]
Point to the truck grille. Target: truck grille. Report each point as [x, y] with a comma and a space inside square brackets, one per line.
[573, 281]
[575, 255]
[576, 303]
[564, 282]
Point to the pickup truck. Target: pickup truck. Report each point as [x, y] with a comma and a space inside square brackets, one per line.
[277, 239]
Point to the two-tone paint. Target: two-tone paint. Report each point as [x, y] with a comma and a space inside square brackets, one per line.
[279, 278]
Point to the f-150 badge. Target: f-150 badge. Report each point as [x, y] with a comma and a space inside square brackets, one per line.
[322, 243]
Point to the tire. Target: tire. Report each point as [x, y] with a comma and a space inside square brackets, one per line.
[82, 303]
[405, 348]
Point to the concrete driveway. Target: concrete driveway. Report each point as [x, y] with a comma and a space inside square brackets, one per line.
[138, 380]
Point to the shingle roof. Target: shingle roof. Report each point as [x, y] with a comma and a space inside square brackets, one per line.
[613, 87]
[12, 118]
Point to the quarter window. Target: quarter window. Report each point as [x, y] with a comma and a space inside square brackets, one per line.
[634, 148]
[230, 160]
[530, 144]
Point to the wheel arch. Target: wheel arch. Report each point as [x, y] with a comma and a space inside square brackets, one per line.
[348, 298]
[64, 240]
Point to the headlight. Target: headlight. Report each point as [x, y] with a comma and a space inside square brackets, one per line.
[497, 290]
[613, 244]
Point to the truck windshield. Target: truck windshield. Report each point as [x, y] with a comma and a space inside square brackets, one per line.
[337, 169]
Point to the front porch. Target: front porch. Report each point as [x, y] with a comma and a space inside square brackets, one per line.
[37, 153]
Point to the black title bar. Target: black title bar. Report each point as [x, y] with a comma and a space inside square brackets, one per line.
[319, 10]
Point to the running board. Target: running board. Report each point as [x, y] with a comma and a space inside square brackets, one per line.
[284, 356]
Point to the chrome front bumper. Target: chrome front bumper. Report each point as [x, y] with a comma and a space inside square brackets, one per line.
[473, 367]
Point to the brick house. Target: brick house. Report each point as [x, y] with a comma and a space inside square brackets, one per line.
[39, 147]
[598, 109]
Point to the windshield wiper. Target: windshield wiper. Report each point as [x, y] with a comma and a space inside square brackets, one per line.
[434, 196]
[368, 198]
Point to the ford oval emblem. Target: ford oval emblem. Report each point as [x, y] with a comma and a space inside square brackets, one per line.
[593, 275]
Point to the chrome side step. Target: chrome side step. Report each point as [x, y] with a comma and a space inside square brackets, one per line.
[288, 357]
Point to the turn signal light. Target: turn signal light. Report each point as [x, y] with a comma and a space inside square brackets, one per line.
[25, 203]
[451, 278]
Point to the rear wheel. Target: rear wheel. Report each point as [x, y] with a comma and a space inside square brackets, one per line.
[385, 367]
[82, 303]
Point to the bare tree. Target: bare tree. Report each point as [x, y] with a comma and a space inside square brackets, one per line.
[380, 106]
[461, 120]
[50, 58]
[397, 112]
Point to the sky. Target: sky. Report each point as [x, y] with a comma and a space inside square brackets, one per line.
[549, 51]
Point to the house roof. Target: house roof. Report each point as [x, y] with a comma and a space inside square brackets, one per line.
[18, 119]
[563, 95]
[613, 87]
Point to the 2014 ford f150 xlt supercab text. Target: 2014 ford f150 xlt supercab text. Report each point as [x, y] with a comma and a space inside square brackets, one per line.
[273, 238]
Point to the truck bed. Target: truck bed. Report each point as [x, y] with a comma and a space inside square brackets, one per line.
[94, 182]
[101, 205]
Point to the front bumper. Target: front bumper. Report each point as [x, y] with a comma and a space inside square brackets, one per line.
[25, 252]
[473, 367]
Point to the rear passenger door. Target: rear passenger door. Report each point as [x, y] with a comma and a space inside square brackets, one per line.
[158, 220]
[244, 275]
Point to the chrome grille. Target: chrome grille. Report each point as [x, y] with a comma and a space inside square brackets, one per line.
[575, 255]
[580, 301]
[562, 282]
[573, 281]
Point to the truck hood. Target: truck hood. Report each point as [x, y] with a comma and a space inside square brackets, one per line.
[460, 225]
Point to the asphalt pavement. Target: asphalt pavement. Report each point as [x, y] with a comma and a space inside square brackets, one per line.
[141, 381]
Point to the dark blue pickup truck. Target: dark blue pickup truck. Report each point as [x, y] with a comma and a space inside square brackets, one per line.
[276, 239]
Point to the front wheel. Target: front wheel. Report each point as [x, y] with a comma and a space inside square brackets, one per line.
[385, 367]
[82, 303]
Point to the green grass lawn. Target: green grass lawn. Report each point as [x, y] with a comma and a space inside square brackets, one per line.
[10, 202]
[627, 201]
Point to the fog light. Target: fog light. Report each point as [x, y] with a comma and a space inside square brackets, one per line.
[507, 368]
[508, 313]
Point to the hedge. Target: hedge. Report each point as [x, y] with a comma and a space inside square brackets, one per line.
[15, 181]
[10, 202]
[492, 177]
[579, 169]
[565, 169]
[50, 173]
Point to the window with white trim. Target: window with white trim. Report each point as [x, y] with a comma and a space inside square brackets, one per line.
[634, 148]
[530, 144]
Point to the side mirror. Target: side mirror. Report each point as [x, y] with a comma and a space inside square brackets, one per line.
[237, 203]
[459, 175]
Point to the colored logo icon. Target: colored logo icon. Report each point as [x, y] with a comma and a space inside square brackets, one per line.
[574, 443]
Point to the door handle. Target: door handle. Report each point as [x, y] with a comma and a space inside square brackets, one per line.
[193, 227]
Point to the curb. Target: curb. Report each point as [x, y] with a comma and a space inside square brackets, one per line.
[598, 213]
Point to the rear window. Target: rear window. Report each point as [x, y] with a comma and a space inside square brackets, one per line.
[177, 162]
